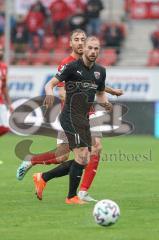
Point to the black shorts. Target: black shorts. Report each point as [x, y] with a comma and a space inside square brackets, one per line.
[77, 135]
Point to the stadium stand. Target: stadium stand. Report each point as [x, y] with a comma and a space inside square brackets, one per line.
[41, 37]
[50, 39]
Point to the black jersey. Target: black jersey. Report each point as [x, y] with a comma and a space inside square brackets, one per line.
[81, 85]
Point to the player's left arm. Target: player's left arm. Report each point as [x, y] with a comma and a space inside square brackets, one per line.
[102, 100]
[114, 91]
[101, 96]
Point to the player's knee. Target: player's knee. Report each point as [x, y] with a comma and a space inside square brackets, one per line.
[62, 153]
[65, 157]
[83, 156]
[97, 148]
[62, 158]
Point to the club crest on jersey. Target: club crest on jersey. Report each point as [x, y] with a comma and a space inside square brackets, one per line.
[62, 68]
[97, 75]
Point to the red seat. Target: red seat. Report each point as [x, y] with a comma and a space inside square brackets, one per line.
[58, 56]
[63, 42]
[36, 42]
[108, 57]
[49, 43]
[41, 57]
[22, 61]
[153, 58]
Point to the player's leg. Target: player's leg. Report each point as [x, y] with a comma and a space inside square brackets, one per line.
[3, 120]
[90, 170]
[82, 156]
[59, 155]
[81, 143]
[41, 179]
[73, 167]
[62, 154]
[3, 130]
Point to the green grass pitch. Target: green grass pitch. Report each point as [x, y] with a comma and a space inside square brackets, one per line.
[131, 180]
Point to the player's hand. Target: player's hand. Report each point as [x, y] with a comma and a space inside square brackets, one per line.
[48, 101]
[118, 92]
[108, 106]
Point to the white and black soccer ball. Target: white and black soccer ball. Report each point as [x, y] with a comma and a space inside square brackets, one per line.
[106, 212]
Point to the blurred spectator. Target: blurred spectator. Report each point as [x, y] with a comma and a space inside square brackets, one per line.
[127, 8]
[35, 21]
[12, 22]
[78, 20]
[2, 23]
[41, 8]
[113, 36]
[19, 35]
[2, 6]
[155, 38]
[93, 10]
[60, 12]
[76, 4]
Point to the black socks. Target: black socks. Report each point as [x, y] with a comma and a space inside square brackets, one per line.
[70, 167]
[75, 174]
[62, 170]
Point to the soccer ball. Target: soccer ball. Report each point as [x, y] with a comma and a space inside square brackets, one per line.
[106, 212]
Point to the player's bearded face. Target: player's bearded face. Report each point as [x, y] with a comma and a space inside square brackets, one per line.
[91, 50]
[77, 43]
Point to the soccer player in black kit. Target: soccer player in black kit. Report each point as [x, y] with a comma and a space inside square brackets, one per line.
[84, 79]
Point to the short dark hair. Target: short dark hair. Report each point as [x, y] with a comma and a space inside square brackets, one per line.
[78, 30]
[91, 38]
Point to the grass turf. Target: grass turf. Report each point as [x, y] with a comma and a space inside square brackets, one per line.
[131, 180]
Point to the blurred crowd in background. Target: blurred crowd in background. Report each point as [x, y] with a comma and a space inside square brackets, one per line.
[154, 53]
[42, 35]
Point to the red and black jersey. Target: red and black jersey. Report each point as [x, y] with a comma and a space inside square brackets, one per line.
[65, 61]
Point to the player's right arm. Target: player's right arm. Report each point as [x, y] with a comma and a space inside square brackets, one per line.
[61, 85]
[49, 99]
[61, 76]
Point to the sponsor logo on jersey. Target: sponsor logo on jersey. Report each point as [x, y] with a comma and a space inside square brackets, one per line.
[80, 72]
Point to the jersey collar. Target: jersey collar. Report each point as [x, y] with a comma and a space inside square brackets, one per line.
[81, 60]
